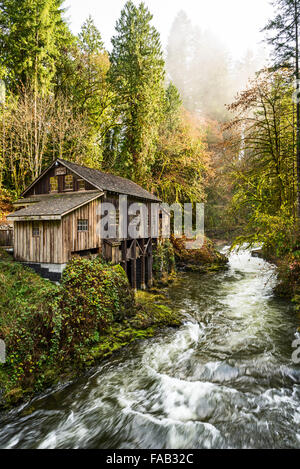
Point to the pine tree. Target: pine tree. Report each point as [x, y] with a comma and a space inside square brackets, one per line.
[285, 41]
[173, 104]
[179, 50]
[91, 64]
[91, 91]
[137, 76]
[199, 66]
[90, 39]
[32, 33]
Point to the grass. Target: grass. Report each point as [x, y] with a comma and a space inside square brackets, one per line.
[52, 332]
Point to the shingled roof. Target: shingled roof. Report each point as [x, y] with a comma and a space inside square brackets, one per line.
[109, 182]
[53, 207]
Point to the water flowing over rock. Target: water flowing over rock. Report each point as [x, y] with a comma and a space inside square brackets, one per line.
[225, 379]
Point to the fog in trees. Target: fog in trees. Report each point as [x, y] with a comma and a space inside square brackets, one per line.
[201, 67]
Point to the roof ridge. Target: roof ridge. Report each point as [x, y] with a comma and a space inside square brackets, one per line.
[108, 181]
[59, 206]
[101, 172]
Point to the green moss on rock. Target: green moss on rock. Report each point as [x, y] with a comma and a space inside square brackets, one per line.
[163, 263]
[204, 260]
[52, 331]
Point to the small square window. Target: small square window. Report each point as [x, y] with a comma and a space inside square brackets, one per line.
[35, 230]
[81, 184]
[68, 182]
[82, 225]
[54, 184]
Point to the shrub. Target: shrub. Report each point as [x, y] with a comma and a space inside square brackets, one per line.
[44, 324]
[92, 296]
[163, 260]
[289, 277]
[207, 255]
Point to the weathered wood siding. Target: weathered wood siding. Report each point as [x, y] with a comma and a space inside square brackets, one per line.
[6, 237]
[114, 199]
[58, 240]
[45, 248]
[74, 240]
[43, 185]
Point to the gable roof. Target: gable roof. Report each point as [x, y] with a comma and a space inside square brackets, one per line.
[53, 207]
[109, 182]
[104, 181]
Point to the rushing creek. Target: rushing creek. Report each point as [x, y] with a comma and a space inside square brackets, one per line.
[225, 379]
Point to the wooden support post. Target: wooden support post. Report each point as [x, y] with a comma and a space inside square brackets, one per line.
[150, 264]
[124, 254]
[133, 270]
[143, 262]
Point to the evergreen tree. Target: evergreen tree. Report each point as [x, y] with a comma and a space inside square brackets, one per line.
[32, 33]
[90, 39]
[199, 66]
[285, 41]
[181, 160]
[91, 91]
[179, 51]
[137, 75]
[91, 65]
[173, 104]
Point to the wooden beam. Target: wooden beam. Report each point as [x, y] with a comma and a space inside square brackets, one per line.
[133, 270]
[124, 254]
[143, 265]
[150, 264]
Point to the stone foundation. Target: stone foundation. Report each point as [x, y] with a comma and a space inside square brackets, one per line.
[52, 272]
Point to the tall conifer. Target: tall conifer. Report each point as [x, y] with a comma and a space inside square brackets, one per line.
[284, 38]
[137, 77]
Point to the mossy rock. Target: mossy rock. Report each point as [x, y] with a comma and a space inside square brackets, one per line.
[163, 263]
[202, 260]
[14, 396]
[53, 332]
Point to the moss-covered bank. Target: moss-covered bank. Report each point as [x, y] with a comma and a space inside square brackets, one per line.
[204, 260]
[289, 277]
[164, 266]
[288, 271]
[55, 332]
[171, 256]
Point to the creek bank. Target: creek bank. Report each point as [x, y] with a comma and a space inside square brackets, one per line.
[54, 333]
[171, 257]
[288, 273]
[288, 286]
[207, 259]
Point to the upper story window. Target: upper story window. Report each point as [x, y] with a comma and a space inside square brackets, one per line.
[81, 184]
[68, 182]
[54, 184]
[35, 230]
[82, 225]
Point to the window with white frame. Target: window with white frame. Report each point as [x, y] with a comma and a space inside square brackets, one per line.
[82, 225]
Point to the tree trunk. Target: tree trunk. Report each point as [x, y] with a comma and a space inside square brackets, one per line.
[298, 114]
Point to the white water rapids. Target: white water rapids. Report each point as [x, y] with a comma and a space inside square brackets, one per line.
[225, 379]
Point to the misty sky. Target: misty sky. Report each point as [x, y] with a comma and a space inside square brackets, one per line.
[237, 22]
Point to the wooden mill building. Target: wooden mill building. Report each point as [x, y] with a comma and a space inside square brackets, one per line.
[57, 218]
